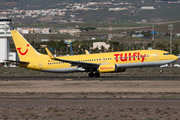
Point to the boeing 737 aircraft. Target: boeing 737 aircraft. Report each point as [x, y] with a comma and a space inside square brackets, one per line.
[92, 63]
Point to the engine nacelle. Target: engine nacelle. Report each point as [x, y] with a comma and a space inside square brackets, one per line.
[107, 68]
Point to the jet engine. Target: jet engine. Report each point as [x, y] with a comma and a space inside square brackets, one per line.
[108, 68]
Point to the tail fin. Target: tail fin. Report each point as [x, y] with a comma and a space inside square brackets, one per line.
[24, 49]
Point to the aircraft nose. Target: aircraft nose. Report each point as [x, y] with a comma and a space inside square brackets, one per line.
[175, 57]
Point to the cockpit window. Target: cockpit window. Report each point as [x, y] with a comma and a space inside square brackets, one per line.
[166, 53]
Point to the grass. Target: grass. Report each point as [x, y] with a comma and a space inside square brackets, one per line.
[56, 110]
[145, 109]
[123, 115]
[106, 116]
[59, 115]
[70, 84]
[62, 110]
[14, 84]
[81, 111]
[172, 97]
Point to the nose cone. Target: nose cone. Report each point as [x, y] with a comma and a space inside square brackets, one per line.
[175, 57]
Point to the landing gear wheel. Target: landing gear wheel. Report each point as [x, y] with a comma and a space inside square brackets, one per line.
[97, 74]
[91, 74]
[161, 71]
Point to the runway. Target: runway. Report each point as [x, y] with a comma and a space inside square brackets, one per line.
[89, 78]
[90, 99]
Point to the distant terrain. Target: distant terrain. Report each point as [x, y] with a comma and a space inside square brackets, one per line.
[164, 10]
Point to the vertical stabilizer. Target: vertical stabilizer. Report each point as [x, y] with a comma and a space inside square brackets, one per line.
[24, 49]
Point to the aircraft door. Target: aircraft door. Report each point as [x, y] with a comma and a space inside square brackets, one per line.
[156, 55]
[40, 65]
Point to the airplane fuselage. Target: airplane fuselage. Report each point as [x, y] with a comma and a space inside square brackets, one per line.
[123, 60]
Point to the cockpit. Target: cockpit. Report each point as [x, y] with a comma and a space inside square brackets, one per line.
[170, 56]
[166, 53]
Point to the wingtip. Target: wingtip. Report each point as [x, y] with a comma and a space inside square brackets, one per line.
[86, 52]
[49, 53]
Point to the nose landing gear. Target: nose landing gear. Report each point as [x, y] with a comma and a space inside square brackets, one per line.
[161, 71]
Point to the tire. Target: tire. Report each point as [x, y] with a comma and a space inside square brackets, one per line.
[91, 74]
[97, 74]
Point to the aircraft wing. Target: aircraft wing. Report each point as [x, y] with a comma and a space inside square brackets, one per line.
[74, 63]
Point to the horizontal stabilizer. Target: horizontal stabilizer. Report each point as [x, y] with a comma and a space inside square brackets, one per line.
[17, 61]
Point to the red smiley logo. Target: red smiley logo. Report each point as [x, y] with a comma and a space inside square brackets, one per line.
[19, 49]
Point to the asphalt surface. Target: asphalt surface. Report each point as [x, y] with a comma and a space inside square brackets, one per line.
[90, 78]
[69, 99]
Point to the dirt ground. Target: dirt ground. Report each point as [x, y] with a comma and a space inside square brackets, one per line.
[64, 109]
[89, 86]
[55, 109]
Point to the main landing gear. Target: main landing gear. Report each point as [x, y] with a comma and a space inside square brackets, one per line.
[91, 74]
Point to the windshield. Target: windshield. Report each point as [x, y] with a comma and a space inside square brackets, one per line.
[166, 54]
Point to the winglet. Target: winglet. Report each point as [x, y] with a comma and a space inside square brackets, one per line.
[86, 52]
[50, 54]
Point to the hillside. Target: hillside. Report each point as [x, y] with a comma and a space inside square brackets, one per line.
[130, 11]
